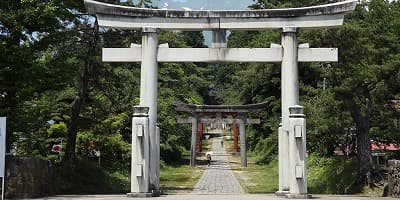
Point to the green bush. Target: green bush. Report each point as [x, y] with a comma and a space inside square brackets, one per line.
[266, 150]
[170, 153]
[330, 175]
[84, 177]
[57, 130]
[115, 152]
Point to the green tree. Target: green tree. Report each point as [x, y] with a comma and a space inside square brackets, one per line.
[80, 98]
[28, 30]
[370, 45]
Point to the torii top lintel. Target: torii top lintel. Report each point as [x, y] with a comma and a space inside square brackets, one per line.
[221, 108]
[124, 17]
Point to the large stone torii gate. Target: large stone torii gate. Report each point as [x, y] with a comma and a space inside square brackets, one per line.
[292, 133]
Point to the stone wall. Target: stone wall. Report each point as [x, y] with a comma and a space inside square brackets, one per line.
[394, 178]
[28, 177]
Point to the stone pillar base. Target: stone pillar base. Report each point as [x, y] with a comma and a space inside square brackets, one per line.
[139, 195]
[281, 193]
[298, 196]
[156, 193]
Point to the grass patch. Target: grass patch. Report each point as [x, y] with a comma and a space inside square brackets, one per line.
[259, 178]
[179, 178]
[324, 175]
[256, 178]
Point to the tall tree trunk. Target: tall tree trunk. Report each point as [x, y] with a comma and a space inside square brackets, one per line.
[78, 103]
[363, 141]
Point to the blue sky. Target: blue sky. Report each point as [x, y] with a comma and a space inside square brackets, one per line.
[203, 4]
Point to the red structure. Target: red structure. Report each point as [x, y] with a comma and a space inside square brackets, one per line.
[199, 137]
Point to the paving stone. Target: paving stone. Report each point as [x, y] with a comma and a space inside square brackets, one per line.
[218, 178]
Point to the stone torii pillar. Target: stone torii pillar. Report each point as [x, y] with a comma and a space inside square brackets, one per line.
[148, 97]
[290, 96]
[243, 147]
[194, 138]
[195, 122]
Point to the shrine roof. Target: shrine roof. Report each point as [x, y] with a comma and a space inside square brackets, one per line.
[221, 108]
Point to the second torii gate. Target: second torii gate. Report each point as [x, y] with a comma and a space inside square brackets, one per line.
[217, 113]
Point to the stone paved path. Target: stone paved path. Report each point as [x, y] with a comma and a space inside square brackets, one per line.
[218, 178]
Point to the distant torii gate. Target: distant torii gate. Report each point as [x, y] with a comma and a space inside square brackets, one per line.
[216, 112]
[145, 165]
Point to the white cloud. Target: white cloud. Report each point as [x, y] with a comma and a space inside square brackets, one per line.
[186, 8]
